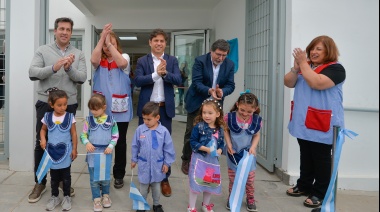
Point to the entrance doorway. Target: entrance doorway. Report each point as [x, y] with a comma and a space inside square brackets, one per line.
[184, 45]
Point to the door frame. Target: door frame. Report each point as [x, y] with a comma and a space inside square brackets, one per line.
[206, 47]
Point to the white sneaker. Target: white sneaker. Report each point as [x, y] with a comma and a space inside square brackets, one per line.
[52, 203]
[66, 203]
[106, 201]
[98, 204]
[207, 208]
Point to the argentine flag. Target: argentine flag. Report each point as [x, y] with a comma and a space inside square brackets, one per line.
[139, 203]
[241, 176]
[102, 167]
[44, 166]
[213, 148]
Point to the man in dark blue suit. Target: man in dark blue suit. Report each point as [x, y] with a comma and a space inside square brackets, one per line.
[212, 77]
[156, 73]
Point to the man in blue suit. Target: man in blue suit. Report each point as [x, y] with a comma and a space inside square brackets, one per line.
[212, 77]
[156, 73]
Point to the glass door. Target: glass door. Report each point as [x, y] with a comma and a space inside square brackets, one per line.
[186, 46]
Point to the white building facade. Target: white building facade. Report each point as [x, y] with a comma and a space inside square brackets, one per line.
[354, 25]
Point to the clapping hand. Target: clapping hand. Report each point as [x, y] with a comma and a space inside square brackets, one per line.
[219, 92]
[161, 68]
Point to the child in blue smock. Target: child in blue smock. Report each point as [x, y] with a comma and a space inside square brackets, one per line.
[153, 151]
[100, 134]
[243, 134]
[207, 142]
[59, 126]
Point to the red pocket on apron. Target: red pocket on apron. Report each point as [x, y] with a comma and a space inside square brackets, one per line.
[318, 119]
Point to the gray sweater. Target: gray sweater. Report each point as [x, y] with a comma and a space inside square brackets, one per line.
[41, 70]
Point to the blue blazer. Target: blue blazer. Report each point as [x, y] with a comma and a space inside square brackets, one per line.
[202, 77]
[143, 79]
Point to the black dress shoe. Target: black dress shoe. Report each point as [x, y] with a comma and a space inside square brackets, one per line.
[119, 183]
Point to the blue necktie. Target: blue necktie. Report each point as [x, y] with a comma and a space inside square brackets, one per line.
[154, 140]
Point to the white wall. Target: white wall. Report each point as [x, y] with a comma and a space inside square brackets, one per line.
[228, 21]
[21, 92]
[354, 26]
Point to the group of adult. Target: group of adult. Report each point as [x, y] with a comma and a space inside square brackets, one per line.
[61, 65]
[316, 77]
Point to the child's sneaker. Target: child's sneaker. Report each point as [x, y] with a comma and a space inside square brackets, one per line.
[106, 201]
[191, 209]
[251, 206]
[98, 204]
[52, 203]
[66, 203]
[207, 208]
[228, 205]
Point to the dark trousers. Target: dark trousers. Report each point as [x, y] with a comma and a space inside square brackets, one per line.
[186, 150]
[41, 109]
[166, 121]
[58, 175]
[315, 167]
[121, 151]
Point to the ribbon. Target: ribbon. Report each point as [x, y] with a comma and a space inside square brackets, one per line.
[328, 203]
[246, 91]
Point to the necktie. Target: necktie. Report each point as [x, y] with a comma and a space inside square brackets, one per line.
[154, 140]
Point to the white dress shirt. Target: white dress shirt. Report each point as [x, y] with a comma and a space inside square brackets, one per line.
[158, 87]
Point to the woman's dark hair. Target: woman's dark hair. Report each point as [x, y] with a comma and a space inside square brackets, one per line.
[247, 98]
[96, 101]
[332, 52]
[157, 32]
[151, 108]
[54, 94]
[219, 122]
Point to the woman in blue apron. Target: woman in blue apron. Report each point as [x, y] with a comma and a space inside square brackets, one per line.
[111, 79]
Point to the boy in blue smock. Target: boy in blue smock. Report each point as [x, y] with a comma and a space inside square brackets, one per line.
[153, 151]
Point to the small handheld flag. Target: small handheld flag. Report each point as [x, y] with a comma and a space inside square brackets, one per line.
[44, 166]
[139, 202]
[213, 148]
[102, 167]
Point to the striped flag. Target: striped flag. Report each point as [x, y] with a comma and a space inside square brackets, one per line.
[328, 204]
[44, 166]
[102, 167]
[241, 176]
[213, 148]
[139, 203]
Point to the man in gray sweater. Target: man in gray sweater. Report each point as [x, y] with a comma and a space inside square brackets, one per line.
[55, 65]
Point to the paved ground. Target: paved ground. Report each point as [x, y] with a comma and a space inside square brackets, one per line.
[270, 191]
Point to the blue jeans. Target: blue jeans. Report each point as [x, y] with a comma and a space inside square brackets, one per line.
[95, 186]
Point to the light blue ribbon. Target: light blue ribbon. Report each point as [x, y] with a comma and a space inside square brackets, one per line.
[246, 91]
[328, 203]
